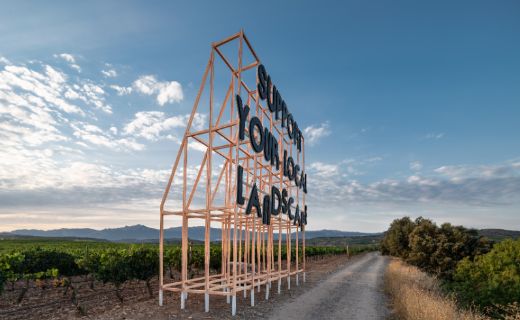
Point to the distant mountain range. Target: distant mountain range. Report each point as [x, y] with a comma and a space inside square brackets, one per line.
[499, 234]
[144, 233]
[140, 233]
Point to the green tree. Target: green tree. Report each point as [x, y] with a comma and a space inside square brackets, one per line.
[395, 242]
[423, 245]
[454, 243]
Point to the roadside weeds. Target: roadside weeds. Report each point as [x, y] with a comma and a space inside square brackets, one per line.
[417, 295]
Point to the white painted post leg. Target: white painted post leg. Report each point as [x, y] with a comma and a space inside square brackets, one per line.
[289, 282]
[182, 300]
[228, 297]
[160, 298]
[266, 291]
[258, 288]
[253, 297]
[245, 293]
[279, 286]
[304, 277]
[206, 302]
[234, 305]
[297, 279]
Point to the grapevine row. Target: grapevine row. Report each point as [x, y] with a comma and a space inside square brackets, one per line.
[111, 265]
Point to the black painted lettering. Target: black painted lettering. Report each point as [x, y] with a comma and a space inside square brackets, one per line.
[289, 203]
[275, 193]
[267, 144]
[266, 213]
[290, 125]
[255, 123]
[284, 201]
[240, 179]
[297, 216]
[262, 82]
[254, 202]
[296, 171]
[242, 114]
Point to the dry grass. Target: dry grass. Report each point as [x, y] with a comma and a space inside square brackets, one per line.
[416, 295]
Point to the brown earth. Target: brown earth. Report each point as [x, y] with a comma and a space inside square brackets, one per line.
[102, 303]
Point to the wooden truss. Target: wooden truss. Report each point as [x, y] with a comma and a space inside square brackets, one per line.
[248, 246]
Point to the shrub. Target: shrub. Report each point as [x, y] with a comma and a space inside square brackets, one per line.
[491, 279]
[144, 265]
[38, 259]
[114, 268]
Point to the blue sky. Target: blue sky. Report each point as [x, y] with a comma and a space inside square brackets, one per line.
[408, 108]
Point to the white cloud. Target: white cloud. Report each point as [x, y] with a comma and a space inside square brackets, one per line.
[166, 92]
[151, 125]
[416, 166]
[435, 136]
[110, 73]
[197, 146]
[95, 95]
[477, 186]
[96, 136]
[76, 67]
[324, 170]
[57, 151]
[459, 172]
[67, 57]
[121, 91]
[313, 133]
[47, 86]
[70, 59]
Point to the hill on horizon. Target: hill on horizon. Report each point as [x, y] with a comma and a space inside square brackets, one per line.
[143, 233]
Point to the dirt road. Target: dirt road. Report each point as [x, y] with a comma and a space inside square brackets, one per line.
[353, 292]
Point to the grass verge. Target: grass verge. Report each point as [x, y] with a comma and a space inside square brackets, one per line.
[416, 295]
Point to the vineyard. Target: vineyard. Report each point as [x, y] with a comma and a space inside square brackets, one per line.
[66, 265]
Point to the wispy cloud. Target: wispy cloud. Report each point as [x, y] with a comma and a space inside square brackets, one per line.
[109, 73]
[4, 60]
[155, 125]
[95, 136]
[165, 91]
[416, 166]
[492, 185]
[315, 133]
[70, 59]
[51, 132]
[435, 136]
[121, 91]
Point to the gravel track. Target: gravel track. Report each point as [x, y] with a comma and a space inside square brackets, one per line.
[353, 292]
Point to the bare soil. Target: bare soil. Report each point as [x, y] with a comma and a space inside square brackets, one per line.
[323, 278]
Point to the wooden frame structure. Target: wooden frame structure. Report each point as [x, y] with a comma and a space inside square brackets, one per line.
[248, 246]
